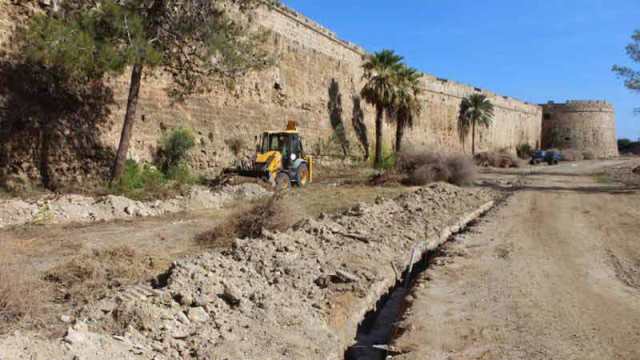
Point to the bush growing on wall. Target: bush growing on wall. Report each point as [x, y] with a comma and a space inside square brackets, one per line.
[174, 148]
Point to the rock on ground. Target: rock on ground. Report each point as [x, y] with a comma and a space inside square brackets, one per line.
[293, 295]
[74, 208]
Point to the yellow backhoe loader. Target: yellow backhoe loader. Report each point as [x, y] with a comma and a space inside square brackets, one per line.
[280, 158]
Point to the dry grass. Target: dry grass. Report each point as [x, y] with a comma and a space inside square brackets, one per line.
[21, 299]
[499, 159]
[89, 277]
[33, 298]
[424, 167]
[277, 213]
[387, 178]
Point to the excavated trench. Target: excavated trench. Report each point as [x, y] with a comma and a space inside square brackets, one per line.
[377, 328]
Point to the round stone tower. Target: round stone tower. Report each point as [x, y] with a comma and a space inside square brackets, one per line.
[582, 126]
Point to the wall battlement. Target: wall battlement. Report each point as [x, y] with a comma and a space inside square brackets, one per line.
[311, 24]
[581, 106]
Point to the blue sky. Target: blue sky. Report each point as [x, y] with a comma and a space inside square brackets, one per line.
[534, 50]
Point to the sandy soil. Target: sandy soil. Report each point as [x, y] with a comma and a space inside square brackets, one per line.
[553, 273]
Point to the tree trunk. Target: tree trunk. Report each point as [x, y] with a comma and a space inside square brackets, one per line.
[129, 119]
[473, 138]
[399, 134]
[345, 150]
[378, 161]
[45, 150]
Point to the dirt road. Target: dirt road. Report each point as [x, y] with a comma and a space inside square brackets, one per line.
[553, 273]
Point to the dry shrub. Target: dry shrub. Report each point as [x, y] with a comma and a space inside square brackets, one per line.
[19, 297]
[23, 298]
[588, 155]
[500, 159]
[277, 213]
[462, 170]
[386, 178]
[424, 167]
[571, 155]
[88, 277]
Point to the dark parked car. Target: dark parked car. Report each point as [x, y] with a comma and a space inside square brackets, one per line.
[550, 157]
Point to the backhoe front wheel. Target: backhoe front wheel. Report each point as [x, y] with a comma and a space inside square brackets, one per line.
[282, 182]
[302, 174]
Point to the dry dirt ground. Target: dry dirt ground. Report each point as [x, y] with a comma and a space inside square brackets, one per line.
[92, 252]
[298, 294]
[552, 273]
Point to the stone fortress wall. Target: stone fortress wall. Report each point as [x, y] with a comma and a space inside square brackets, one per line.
[580, 125]
[314, 68]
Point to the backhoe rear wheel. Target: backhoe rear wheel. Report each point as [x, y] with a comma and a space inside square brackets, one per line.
[302, 174]
[283, 182]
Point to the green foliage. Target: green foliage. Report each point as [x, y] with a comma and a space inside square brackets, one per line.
[197, 43]
[90, 42]
[389, 158]
[524, 151]
[628, 146]
[193, 41]
[174, 148]
[624, 143]
[394, 89]
[181, 174]
[631, 77]
[475, 110]
[380, 73]
[146, 182]
[139, 182]
[405, 106]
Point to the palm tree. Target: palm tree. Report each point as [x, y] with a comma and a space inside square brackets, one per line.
[406, 105]
[475, 110]
[380, 73]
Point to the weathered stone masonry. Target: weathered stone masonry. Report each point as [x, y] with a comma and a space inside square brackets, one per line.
[311, 58]
[312, 61]
[580, 125]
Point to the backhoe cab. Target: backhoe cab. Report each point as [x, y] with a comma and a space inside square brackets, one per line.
[280, 158]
